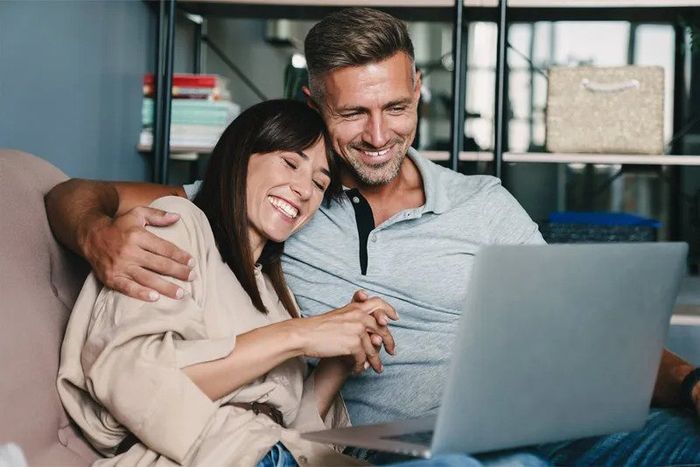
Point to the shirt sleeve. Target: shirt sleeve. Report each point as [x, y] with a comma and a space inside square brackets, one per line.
[507, 221]
[135, 350]
[192, 189]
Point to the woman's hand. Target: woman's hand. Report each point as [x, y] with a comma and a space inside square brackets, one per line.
[352, 330]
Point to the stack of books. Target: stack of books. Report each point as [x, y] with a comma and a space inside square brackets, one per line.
[201, 110]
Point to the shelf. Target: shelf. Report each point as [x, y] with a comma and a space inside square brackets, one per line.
[410, 10]
[181, 152]
[610, 159]
[185, 153]
[465, 156]
[443, 10]
[335, 3]
[450, 3]
[584, 3]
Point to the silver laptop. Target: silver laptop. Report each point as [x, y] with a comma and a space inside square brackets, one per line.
[556, 342]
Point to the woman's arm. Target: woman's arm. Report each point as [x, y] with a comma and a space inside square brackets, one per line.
[331, 373]
[329, 376]
[255, 354]
[342, 332]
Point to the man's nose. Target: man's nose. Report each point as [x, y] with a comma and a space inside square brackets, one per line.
[376, 132]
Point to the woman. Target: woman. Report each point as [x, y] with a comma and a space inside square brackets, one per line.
[218, 378]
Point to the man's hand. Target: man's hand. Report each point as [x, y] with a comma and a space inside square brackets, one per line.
[668, 389]
[128, 258]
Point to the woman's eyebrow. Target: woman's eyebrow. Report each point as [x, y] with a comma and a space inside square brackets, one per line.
[306, 158]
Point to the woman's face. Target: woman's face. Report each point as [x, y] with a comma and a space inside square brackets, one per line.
[284, 189]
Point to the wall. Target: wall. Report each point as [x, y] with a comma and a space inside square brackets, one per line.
[70, 83]
[243, 41]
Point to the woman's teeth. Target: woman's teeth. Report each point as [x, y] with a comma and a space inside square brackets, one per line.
[284, 206]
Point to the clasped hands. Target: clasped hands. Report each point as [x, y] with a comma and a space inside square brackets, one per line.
[355, 333]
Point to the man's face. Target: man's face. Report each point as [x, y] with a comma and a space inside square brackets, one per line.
[371, 114]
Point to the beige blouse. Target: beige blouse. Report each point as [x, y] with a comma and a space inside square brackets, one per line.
[121, 364]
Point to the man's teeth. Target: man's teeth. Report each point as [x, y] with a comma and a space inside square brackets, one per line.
[377, 153]
[283, 206]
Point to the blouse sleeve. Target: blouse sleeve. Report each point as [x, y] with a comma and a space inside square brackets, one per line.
[309, 419]
[134, 350]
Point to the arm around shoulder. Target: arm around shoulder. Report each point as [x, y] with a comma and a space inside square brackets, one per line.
[100, 221]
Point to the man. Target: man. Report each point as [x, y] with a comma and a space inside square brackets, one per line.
[407, 230]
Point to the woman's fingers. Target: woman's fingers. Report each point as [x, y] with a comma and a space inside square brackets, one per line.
[372, 354]
[382, 332]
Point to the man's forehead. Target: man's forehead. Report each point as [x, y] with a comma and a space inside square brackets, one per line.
[370, 84]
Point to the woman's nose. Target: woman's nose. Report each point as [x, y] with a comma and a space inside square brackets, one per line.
[303, 187]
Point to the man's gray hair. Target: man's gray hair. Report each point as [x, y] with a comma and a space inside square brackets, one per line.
[352, 37]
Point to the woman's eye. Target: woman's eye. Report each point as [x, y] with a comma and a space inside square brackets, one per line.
[320, 185]
[290, 163]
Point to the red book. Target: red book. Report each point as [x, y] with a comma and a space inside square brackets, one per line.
[185, 80]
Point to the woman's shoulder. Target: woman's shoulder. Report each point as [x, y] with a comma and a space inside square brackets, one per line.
[192, 223]
[177, 204]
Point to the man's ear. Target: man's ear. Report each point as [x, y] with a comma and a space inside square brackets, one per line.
[309, 100]
[419, 84]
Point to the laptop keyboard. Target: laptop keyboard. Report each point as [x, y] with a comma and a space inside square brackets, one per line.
[422, 437]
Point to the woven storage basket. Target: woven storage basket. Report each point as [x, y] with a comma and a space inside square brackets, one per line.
[606, 110]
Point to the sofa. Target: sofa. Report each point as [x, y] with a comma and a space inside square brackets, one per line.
[39, 283]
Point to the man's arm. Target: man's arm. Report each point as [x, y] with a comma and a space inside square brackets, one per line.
[668, 391]
[105, 223]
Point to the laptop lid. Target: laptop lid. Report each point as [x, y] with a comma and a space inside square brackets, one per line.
[557, 342]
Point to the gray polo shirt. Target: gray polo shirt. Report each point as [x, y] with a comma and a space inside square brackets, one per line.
[419, 261]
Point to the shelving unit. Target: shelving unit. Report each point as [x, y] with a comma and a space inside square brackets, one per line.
[499, 10]
[503, 13]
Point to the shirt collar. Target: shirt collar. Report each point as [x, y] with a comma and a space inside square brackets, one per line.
[436, 199]
[436, 195]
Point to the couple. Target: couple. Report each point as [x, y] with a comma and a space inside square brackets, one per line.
[404, 229]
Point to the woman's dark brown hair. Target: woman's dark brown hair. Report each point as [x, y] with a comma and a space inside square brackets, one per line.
[276, 125]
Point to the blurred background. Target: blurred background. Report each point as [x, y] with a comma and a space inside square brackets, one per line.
[72, 75]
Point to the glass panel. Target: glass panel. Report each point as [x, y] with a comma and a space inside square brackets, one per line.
[481, 75]
[654, 46]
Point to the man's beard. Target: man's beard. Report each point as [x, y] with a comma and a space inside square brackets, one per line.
[378, 174]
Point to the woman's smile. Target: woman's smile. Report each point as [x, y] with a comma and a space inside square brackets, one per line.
[288, 209]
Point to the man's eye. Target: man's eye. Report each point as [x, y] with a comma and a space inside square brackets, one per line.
[397, 109]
